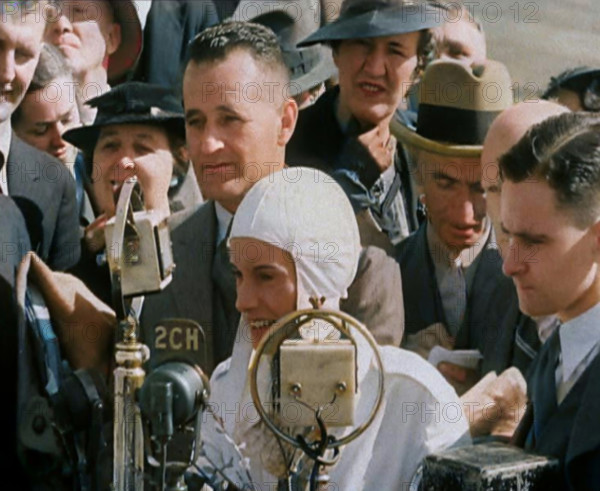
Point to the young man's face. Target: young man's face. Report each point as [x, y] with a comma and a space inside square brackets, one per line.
[20, 46]
[234, 136]
[553, 263]
[86, 33]
[454, 198]
[374, 75]
[126, 150]
[45, 115]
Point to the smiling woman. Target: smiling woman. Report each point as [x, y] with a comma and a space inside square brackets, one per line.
[139, 132]
[288, 249]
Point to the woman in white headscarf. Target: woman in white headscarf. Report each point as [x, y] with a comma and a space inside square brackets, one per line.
[294, 237]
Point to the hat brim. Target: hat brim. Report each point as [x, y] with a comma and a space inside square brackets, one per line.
[321, 72]
[86, 137]
[125, 58]
[412, 138]
[377, 23]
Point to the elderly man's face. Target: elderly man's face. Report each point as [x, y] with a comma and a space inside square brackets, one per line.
[45, 115]
[86, 33]
[237, 124]
[127, 150]
[20, 46]
[454, 198]
[374, 75]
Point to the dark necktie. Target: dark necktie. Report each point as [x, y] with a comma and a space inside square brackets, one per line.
[543, 385]
[225, 315]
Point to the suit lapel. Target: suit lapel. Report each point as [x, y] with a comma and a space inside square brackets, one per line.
[586, 428]
[193, 249]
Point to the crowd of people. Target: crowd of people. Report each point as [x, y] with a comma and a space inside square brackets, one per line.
[373, 161]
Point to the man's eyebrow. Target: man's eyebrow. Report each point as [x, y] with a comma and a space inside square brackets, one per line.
[443, 175]
[529, 236]
[190, 113]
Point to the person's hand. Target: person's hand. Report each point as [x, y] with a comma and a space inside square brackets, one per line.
[496, 405]
[462, 379]
[154, 172]
[380, 145]
[93, 235]
[84, 325]
[426, 339]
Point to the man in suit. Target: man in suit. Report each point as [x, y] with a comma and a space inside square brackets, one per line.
[40, 185]
[451, 264]
[524, 341]
[550, 210]
[238, 121]
[376, 47]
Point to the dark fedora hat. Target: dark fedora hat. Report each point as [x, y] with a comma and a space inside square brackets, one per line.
[377, 18]
[457, 105]
[126, 56]
[130, 103]
[308, 66]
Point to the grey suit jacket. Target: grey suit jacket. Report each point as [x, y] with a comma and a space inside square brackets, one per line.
[190, 294]
[374, 298]
[44, 190]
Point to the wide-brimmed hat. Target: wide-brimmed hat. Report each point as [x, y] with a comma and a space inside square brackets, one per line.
[578, 80]
[126, 56]
[377, 18]
[130, 103]
[308, 66]
[457, 105]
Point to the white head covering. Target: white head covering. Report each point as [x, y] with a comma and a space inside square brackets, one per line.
[306, 213]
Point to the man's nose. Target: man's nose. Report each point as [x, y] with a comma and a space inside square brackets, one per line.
[211, 142]
[7, 66]
[514, 261]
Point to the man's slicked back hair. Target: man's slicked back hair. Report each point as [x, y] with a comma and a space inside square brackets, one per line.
[215, 44]
[563, 151]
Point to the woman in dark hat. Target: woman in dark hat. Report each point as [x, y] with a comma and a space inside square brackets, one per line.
[377, 47]
[139, 131]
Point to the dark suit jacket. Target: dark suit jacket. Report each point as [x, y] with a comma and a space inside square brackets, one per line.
[14, 243]
[44, 190]
[374, 298]
[170, 26]
[487, 303]
[573, 433]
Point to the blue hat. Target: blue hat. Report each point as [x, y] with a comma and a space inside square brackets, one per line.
[378, 18]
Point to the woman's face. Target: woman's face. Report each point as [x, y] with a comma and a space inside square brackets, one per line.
[265, 283]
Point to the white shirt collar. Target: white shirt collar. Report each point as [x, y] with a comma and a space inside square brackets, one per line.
[5, 141]
[143, 9]
[223, 221]
[578, 337]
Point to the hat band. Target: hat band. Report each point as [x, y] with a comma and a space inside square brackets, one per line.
[452, 125]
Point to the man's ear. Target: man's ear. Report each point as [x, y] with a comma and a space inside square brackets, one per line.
[289, 116]
[596, 232]
[113, 38]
